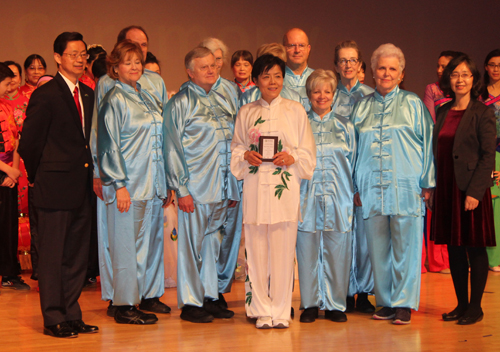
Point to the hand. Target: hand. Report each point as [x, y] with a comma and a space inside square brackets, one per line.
[496, 177]
[8, 182]
[13, 173]
[98, 188]
[186, 204]
[167, 202]
[232, 203]
[31, 184]
[283, 159]
[471, 203]
[357, 200]
[123, 199]
[428, 197]
[253, 158]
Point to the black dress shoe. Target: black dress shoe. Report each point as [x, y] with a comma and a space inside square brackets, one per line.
[292, 313]
[213, 307]
[110, 312]
[80, 327]
[196, 314]
[470, 318]
[363, 305]
[60, 330]
[336, 316]
[131, 315]
[455, 314]
[222, 301]
[154, 305]
[309, 315]
[350, 302]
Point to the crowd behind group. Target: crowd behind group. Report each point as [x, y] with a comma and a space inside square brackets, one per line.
[312, 163]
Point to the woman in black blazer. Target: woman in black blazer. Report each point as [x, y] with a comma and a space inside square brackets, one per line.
[464, 145]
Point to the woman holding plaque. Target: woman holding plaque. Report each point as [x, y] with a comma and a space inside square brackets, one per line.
[271, 191]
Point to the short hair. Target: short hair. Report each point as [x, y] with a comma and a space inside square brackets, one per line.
[119, 53]
[215, 44]
[486, 76]
[245, 55]
[196, 53]
[445, 82]
[320, 76]
[5, 72]
[344, 45]
[151, 59]
[275, 49]
[13, 63]
[266, 62]
[123, 33]
[29, 60]
[448, 53]
[363, 66]
[99, 67]
[64, 38]
[95, 51]
[285, 38]
[388, 50]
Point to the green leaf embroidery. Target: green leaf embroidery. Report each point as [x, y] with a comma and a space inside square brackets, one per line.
[259, 121]
[278, 171]
[254, 148]
[287, 175]
[280, 146]
[284, 182]
[248, 299]
[253, 169]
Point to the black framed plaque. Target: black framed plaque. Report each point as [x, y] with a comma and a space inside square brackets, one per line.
[268, 147]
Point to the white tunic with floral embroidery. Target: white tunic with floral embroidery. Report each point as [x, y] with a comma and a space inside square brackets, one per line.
[272, 194]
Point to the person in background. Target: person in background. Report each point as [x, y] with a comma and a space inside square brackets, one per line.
[17, 101]
[152, 63]
[44, 79]
[347, 61]
[9, 175]
[324, 239]
[219, 49]
[298, 49]
[491, 97]
[362, 73]
[34, 68]
[464, 145]
[394, 175]
[241, 64]
[95, 51]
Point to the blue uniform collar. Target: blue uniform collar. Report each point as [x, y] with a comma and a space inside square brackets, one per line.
[343, 88]
[129, 88]
[388, 96]
[289, 72]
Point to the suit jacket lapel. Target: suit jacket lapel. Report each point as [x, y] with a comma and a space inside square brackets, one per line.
[463, 125]
[88, 111]
[70, 101]
[439, 125]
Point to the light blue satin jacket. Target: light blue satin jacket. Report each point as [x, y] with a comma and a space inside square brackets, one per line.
[298, 84]
[254, 94]
[327, 199]
[395, 158]
[129, 144]
[198, 130]
[344, 100]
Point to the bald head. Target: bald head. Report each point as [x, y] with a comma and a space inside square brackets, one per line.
[297, 47]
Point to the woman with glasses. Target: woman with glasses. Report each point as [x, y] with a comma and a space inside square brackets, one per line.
[349, 91]
[394, 173]
[464, 143]
[34, 67]
[491, 97]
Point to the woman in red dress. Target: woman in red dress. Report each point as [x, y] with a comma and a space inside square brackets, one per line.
[35, 67]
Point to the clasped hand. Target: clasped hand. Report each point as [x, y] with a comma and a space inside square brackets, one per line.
[279, 159]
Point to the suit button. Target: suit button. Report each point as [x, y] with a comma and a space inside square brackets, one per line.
[86, 165]
[86, 147]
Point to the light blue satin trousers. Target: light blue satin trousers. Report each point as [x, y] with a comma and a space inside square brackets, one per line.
[395, 247]
[228, 256]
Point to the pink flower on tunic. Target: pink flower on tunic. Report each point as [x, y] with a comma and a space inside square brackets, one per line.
[254, 135]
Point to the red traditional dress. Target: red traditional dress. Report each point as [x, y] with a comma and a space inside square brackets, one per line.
[27, 90]
[244, 88]
[87, 81]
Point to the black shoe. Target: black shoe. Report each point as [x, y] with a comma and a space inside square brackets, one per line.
[15, 283]
[80, 327]
[455, 314]
[309, 315]
[154, 305]
[196, 315]
[110, 312]
[336, 316]
[402, 316]
[222, 301]
[470, 318]
[34, 276]
[386, 313]
[90, 282]
[349, 304]
[363, 305]
[216, 310]
[292, 313]
[132, 315]
[60, 330]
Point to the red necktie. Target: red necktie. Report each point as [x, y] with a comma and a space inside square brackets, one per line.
[77, 102]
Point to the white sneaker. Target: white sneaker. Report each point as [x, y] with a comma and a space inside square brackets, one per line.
[281, 324]
[264, 323]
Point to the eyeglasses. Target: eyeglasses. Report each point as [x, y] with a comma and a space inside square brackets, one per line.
[343, 62]
[206, 67]
[493, 66]
[74, 56]
[464, 76]
[218, 59]
[300, 47]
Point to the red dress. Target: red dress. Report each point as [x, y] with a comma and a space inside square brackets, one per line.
[27, 90]
[451, 224]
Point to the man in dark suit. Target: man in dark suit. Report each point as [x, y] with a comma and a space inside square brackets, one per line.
[56, 153]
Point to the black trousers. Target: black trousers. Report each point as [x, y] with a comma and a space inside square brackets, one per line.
[63, 248]
[9, 219]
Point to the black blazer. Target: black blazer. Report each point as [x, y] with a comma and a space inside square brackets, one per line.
[473, 148]
[55, 151]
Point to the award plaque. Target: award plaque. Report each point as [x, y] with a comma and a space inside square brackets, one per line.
[268, 147]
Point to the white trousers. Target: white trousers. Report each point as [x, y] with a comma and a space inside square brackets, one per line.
[270, 251]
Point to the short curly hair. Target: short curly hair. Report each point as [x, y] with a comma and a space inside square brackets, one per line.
[119, 54]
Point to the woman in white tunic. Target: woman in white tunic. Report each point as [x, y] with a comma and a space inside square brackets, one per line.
[271, 191]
